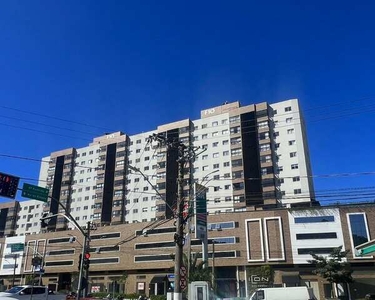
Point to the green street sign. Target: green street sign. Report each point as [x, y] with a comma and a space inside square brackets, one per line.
[367, 250]
[34, 192]
[17, 247]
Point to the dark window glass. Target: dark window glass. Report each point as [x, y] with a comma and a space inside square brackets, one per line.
[316, 219]
[155, 245]
[315, 250]
[112, 260]
[157, 230]
[152, 257]
[61, 240]
[105, 249]
[222, 254]
[315, 236]
[61, 252]
[59, 263]
[358, 228]
[105, 236]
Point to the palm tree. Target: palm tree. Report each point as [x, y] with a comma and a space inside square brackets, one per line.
[198, 271]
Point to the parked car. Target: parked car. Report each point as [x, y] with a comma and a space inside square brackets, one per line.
[23, 292]
[284, 293]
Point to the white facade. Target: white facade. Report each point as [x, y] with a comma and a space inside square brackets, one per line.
[211, 168]
[292, 151]
[11, 262]
[314, 229]
[141, 197]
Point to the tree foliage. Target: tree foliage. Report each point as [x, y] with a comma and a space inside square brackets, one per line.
[199, 271]
[333, 268]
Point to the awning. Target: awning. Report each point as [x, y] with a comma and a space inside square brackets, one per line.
[291, 278]
[158, 279]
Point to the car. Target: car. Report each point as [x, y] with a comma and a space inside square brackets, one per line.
[21, 292]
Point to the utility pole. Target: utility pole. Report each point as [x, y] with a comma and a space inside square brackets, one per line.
[213, 264]
[185, 154]
[14, 269]
[87, 259]
[179, 235]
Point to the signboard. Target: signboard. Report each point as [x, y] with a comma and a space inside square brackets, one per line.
[17, 247]
[35, 192]
[8, 185]
[259, 277]
[200, 212]
[367, 250]
[95, 289]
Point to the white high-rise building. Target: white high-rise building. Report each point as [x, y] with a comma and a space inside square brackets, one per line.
[250, 157]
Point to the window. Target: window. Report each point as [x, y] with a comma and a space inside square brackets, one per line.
[216, 133]
[223, 122]
[135, 200]
[226, 164]
[225, 131]
[280, 169]
[293, 142]
[225, 153]
[216, 177]
[215, 155]
[234, 119]
[227, 187]
[216, 166]
[217, 200]
[205, 146]
[263, 124]
[204, 126]
[264, 147]
[290, 131]
[316, 236]
[138, 141]
[294, 166]
[289, 120]
[236, 152]
[297, 178]
[145, 199]
[216, 188]
[215, 123]
[225, 142]
[215, 144]
[297, 191]
[317, 219]
[358, 228]
[308, 251]
[288, 108]
[265, 159]
[135, 211]
[204, 136]
[204, 157]
[293, 154]
[205, 168]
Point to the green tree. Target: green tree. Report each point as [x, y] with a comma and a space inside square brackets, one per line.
[123, 279]
[198, 271]
[333, 268]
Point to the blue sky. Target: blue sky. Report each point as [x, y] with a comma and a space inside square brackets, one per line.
[132, 65]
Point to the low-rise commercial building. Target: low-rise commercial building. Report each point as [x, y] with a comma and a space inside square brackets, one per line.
[239, 244]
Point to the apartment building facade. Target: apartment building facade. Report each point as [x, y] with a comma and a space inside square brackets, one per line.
[238, 243]
[249, 157]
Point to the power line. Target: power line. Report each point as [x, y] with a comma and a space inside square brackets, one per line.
[55, 118]
[47, 125]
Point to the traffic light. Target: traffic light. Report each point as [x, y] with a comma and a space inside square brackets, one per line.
[79, 262]
[86, 261]
[44, 223]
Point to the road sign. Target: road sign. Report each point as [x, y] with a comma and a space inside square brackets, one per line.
[183, 283]
[34, 192]
[183, 271]
[201, 212]
[8, 185]
[17, 247]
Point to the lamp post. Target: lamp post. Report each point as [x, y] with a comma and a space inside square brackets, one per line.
[213, 265]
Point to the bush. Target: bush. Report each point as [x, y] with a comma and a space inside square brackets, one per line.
[158, 297]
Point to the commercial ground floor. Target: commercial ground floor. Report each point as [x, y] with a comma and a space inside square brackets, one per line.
[236, 281]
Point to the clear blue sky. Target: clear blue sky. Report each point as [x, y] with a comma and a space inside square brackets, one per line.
[132, 65]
